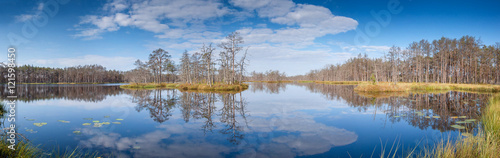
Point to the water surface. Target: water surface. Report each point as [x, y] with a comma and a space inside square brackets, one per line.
[267, 120]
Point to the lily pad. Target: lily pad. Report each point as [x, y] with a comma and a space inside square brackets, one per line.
[63, 121]
[105, 123]
[77, 132]
[460, 122]
[88, 118]
[96, 121]
[396, 116]
[136, 147]
[119, 119]
[86, 124]
[458, 126]
[31, 130]
[462, 116]
[106, 116]
[30, 119]
[427, 117]
[454, 117]
[97, 124]
[39, 124]
[467, 134]
[470, 120]
[116, 122]
[436, 117]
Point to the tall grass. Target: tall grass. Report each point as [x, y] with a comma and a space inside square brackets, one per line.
[25, 149]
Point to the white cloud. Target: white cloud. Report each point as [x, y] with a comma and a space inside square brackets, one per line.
[116, 63]
[151, 15]
[35, 13]
[307, 22]
[266, 8]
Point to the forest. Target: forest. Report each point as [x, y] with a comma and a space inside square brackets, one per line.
[446, 60]
[74, 74]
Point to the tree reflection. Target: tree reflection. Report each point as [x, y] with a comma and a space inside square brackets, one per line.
[197, 106]
[88, 93]
[410, 107]
[272, 88]
[160, 106]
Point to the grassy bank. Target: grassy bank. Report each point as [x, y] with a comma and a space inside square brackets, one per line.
[401, 87]
[187, 86]
[24, 149]
[149, 85]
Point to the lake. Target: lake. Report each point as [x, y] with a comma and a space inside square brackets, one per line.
[266, 120]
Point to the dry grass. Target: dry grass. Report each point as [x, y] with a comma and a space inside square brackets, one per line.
[149, 85]
[188, 86]
[214, 87]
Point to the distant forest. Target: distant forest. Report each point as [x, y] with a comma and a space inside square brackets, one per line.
[464, 60]
[446, 60]
[74, 74]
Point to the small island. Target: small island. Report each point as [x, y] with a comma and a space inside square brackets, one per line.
[198, 71]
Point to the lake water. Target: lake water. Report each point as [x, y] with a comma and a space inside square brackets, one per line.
[267, 120]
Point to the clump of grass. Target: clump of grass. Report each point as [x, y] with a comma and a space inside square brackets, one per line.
[23, 149]
[482, 145]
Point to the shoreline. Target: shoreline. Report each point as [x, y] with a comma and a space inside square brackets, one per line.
[187, 86]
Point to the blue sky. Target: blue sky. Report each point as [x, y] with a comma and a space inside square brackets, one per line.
[290, 36]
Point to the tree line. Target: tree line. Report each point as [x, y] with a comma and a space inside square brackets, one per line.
[74, 74]
[269, 75]
[446, 60]
[203, 66]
